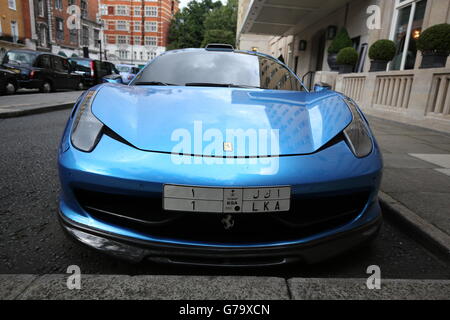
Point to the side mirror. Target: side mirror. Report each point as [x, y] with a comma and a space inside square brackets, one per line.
[321, 86]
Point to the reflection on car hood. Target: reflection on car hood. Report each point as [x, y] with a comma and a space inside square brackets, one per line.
[155, 118]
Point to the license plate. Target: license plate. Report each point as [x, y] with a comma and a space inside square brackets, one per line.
[226, 200]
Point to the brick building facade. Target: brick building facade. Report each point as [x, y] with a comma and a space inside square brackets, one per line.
[135, 31]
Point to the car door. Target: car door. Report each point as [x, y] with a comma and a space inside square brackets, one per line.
[72, 78]
[61, 75]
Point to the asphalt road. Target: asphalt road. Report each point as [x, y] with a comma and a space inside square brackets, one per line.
[31, 240]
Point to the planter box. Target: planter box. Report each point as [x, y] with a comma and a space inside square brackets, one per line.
[433, 60]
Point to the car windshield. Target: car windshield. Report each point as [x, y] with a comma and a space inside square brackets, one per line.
[19, 58]
[124, 68]
[217, 69]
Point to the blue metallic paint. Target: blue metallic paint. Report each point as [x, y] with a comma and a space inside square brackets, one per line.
[115, 167]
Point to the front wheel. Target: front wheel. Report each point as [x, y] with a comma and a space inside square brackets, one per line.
[79, 86]
[10, 87]
[46, 87]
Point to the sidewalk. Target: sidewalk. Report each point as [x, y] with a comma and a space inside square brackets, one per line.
[25, 103]
[416, 180]
[50, 287]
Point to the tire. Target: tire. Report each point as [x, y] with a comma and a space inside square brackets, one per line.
[79, 86]
[46, 87]
[10, 87]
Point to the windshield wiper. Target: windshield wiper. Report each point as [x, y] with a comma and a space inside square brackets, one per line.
[153, 83]
[226, 85]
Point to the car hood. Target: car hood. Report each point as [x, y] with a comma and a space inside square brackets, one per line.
[199, 120]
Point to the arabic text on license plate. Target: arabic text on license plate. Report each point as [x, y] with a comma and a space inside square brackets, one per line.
[226, 200]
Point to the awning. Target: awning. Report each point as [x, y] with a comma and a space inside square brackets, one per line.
[282, 17]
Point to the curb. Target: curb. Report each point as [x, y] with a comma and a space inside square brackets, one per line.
[432, 237]
[34, 110]
[158, 287]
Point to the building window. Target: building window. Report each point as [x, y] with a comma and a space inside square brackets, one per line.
[122, 39]
[137, 11]
[141, 55]
[151, 11]
[96, 38]
[123, 54]
[59, 28]
[137, 26]
[84, 12]
[58, 4]
[137, 40]
[85, 36]
[12, 4]
[43, 36]
[14, 31]
[122, 25]
[122, 10]
[407, 27]
[41, 8]
[73, 36]
[150, 41]
[151, 26]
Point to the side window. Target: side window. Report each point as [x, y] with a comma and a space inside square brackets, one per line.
[57, 62]
[274, 76]
[65, 65]
[44, 62]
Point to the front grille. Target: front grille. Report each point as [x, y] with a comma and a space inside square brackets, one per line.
[308, 216]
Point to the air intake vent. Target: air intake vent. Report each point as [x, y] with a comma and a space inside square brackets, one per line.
[219, 47]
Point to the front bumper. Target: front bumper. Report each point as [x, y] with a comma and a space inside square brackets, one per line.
[312, 251]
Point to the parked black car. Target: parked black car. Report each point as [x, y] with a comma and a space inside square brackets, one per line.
[41, 70]
[8, 81]
[93, 71]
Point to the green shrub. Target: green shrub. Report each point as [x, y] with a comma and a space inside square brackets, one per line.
[383, 50]
[347, 56]
[435, 38]
[341, 41]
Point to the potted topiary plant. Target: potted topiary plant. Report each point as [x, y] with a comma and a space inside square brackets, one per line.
[341, 41]
[434, 43]
[381, 52]
[346, 60]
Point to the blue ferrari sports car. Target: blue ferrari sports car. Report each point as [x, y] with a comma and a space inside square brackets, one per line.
[218, 157]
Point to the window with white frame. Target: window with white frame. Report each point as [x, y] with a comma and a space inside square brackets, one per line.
[150, 41]
[12, 4]
[406, 29]
[122, 39]
[151, 11]
[137, 40]
[122, 25]
[14, 31]
[40, 8]
[58, 4]
[151, 26]
[123, 54]
[137, 11]
[122, 10]
[137, 26]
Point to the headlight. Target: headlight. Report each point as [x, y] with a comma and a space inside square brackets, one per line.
[87, 129]
[357, 133]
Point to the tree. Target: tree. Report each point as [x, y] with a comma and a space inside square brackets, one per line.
[220, 24]
[187, 27]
